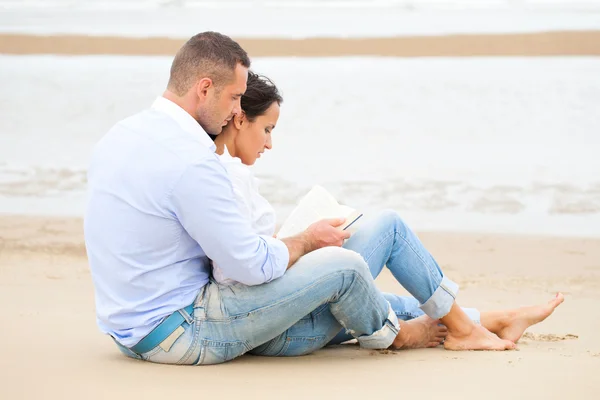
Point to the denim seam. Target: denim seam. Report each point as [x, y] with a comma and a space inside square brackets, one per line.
[291, 339]
[448, 291]
[286, 345]
[406, 314]
[378, 246]
[193, 345]
[304, 338]
[205, 344]
[361, 281]
[431, 272]
[373, 301]
[272, 343]
[322, 310]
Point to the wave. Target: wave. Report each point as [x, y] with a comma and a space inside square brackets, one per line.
[425, 195]
[37, 181]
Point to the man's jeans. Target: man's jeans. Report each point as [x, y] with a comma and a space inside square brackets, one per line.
[328, 296]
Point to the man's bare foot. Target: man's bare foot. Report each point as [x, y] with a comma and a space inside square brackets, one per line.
[420, 332]
[515, 322]
[478, 338]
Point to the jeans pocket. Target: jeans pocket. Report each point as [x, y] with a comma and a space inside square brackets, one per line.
[301, 345]
[217, 352]
[183, 350]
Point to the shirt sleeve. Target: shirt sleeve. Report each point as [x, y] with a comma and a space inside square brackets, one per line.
[204, 203]
[241, 193]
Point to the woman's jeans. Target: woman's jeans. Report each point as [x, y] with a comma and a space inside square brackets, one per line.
[328, 296]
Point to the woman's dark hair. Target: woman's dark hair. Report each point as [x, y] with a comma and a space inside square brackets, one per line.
[260, 94]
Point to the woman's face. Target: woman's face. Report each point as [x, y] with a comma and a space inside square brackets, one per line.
[255, 137]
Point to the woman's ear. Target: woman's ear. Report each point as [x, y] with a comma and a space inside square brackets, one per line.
[239, 120]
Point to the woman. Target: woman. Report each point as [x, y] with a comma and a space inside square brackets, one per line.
[386, 240]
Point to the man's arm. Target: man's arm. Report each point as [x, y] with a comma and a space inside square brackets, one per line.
[203, 202]
[298, 246]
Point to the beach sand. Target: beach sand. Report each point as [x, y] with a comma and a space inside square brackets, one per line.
[518, 44]
[52, 348]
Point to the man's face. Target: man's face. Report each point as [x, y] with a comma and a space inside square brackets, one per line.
[221, 105]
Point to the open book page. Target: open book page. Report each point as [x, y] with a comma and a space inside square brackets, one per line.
[318, 204]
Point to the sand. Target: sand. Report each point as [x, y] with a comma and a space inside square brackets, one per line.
[52, 348]
[523, 44]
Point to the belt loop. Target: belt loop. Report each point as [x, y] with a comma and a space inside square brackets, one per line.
[188, 318]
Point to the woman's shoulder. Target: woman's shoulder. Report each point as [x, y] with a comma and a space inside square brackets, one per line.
[237, 170]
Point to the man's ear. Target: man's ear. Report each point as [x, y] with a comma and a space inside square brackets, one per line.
[239, 120]
[204, 86]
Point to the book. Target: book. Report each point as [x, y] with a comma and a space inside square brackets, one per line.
[316, 205]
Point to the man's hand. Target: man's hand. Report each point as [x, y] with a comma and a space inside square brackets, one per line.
[320, 234]
[326, 233]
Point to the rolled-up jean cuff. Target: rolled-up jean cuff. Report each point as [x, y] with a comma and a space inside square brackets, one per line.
[384, 337]
[473, 314]
[440, 302]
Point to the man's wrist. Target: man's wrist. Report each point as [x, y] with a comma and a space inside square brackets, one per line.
[308, 242]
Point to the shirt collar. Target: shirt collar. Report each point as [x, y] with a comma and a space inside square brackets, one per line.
[185, 120]
[226, 155]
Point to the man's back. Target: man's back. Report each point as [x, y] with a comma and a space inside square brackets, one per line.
[144, 264]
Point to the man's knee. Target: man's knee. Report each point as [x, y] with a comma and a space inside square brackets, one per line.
[342, 260]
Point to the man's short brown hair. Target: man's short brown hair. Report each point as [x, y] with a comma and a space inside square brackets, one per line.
[207, 54]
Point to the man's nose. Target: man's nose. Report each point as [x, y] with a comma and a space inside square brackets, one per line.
[237, 109]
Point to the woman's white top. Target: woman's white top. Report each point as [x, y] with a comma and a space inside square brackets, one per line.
[253, 206]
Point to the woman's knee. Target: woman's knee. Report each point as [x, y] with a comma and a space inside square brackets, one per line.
[392, 219]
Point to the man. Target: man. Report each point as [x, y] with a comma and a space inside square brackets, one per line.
[161, 207]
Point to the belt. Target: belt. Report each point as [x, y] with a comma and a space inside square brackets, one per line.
[162, 331]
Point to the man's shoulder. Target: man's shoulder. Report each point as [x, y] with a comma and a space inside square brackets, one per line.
[154, 133]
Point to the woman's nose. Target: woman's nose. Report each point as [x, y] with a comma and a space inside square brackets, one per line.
[269, 144]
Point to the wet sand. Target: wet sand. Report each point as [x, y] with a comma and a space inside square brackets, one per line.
[525, 44]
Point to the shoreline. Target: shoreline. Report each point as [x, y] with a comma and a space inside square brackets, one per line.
[63, 235]
[556, 43]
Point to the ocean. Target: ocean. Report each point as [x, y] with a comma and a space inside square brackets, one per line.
[295, 18]
[500, 144]
[495, 144]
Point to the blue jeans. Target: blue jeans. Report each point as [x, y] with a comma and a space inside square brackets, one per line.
[229, 321]
[387, 241]
[328, 296]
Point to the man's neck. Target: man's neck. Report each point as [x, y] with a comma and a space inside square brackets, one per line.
[180, 101]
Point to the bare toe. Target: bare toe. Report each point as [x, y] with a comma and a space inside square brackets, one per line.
[557, 300]
[522, 318]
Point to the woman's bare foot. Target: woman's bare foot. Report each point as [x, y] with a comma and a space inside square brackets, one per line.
[477, 338]
[464, 334]
[420, 332]
[513, 323]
